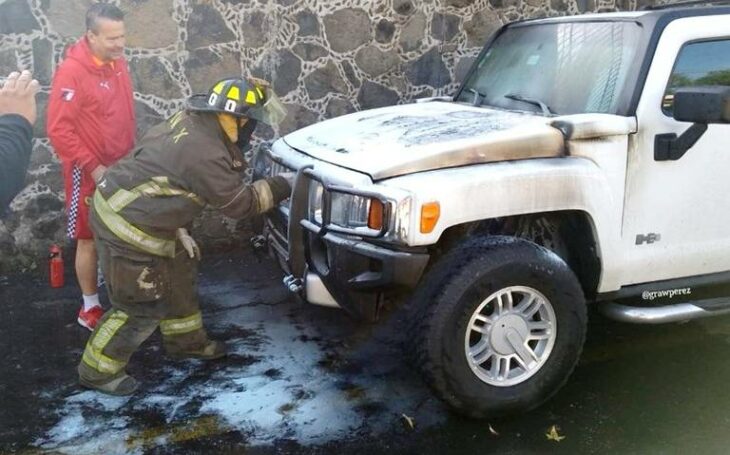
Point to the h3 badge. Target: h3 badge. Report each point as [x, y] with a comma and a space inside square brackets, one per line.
[647, 238]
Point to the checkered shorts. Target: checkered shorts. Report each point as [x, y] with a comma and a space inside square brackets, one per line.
[79, 189]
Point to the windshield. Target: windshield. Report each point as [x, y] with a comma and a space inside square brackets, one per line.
[559, 68]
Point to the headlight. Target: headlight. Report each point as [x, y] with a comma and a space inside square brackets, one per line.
[360, 213]
[357, 214]
[316, 191]
[347, 210]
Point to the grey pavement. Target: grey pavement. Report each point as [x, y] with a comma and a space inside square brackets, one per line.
[305, 379]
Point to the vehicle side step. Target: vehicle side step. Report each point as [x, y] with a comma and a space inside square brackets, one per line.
[664, 314]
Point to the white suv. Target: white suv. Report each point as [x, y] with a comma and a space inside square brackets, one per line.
[584, 159]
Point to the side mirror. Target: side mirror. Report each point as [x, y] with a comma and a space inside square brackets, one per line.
[699, 105]
[702, 104]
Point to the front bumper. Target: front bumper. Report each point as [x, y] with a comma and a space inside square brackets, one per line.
[335, 269]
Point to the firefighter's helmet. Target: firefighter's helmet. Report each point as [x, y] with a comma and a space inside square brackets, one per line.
[240, 97]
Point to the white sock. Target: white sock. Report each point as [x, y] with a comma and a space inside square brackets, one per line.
[90, 301]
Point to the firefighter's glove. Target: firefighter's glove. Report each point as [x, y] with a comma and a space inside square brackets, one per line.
[188, 243]
[289, 177]
[279, 187]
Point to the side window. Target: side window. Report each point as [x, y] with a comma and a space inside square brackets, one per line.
[699, 63]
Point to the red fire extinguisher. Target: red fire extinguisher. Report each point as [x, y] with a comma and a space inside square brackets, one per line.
[55, 262]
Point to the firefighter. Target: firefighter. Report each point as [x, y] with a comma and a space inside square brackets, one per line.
[141, 209]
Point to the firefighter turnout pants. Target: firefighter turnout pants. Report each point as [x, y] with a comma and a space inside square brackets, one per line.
[146, 292]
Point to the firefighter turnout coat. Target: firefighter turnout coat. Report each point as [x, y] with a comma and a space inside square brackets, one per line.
[179, 167]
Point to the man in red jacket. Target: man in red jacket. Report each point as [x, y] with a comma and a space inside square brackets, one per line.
[91, 125]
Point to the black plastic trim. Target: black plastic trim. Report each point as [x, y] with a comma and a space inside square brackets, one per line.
[348, 274]
[701, 287]
[399, 268]
[669, 147]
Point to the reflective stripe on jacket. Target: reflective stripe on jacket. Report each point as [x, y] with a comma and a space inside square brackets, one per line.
[130, 233]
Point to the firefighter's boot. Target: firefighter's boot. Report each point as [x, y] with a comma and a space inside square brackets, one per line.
[120, 386]
[208, 351]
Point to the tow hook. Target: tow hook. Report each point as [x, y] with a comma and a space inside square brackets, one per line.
[258, 242]
[293, 284]
[258, 245]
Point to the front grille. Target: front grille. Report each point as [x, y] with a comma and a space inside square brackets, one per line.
[275, 231]
[280, 221]
[278, 168]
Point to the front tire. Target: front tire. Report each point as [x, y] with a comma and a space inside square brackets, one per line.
[497, 326]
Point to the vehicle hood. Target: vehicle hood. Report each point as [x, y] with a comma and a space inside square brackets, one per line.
[403, 139]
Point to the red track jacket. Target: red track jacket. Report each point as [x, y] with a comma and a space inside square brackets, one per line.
[91, 110]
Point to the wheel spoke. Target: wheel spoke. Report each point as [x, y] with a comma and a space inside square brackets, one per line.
[500, 367]
[478, 348]
[483, 327]
[494, 368]
[482, 318]
[529, 308]
[503, 367]
[539, 335]
[510, 301]
[499, 307]
[539, 326]
[483, 356]
[521, 362]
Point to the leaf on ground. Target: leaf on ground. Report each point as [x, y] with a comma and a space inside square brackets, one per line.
[492, 430]
[408, 422]
[553, 435]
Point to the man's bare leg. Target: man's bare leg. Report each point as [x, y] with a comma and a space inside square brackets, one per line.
[86, 266]
[86, 274]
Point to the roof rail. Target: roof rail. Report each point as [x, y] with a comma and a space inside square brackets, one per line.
[686, 3]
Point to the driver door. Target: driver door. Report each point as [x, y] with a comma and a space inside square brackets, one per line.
[676, 219]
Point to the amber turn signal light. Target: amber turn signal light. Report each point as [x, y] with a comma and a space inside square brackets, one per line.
[375, 215]
[430, 213]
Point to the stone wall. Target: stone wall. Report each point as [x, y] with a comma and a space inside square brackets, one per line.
[324, 57]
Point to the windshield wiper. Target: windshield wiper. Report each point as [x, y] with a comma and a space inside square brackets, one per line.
[477, 94]
[535, 102]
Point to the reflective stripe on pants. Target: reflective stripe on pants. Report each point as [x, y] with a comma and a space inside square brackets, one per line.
[182, 325]
[93, 354]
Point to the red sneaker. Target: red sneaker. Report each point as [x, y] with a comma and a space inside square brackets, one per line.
[90, 318]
